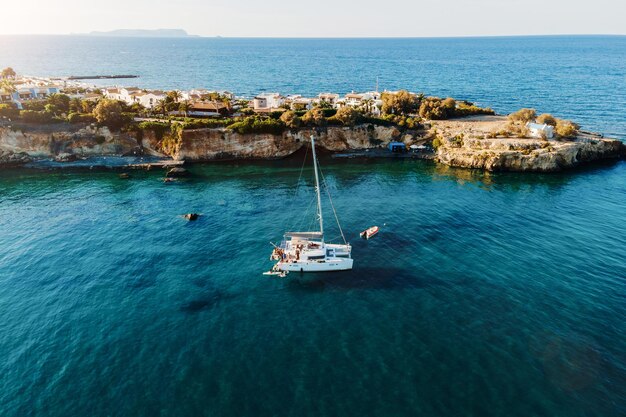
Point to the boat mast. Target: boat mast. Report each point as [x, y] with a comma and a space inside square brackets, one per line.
[317, 189]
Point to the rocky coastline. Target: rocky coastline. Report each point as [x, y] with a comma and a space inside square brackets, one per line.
[467, 143]
[460, 143]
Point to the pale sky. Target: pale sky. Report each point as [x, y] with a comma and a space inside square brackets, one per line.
[319, 18]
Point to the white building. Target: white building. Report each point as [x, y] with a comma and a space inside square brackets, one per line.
[369, 102]
[297, 102]
[537, 130]
[149, 99]
[267, 101]
[26, 92]
[330, 98]
[132, 95]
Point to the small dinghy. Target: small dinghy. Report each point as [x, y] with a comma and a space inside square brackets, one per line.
[372, 231]
[281, 274]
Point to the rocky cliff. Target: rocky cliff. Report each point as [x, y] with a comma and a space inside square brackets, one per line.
[50, 141]
[526, 154]
[192, 145]
[212, 144]
[466, 143]
[463, 143]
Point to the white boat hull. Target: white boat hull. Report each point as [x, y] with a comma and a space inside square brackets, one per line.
[329, 265]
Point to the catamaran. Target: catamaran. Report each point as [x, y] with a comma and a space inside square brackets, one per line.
[307, 251]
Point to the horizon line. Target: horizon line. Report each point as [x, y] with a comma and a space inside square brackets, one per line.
[191, 36]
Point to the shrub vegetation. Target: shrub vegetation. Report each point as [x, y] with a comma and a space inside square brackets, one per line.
[81, 118]
[547, 119]
[9, 110]
[109, 113]
[401, 102]
[258, 125]
[523, 115]
[566, 129]
[291, 119]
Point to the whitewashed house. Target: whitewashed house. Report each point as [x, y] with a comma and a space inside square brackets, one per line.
[297, 102]
[369, 102]
[537, 130]
[198, 93]
[353, 99]
[267, 102]
[132, 95]
[330, 98]
[149, 99]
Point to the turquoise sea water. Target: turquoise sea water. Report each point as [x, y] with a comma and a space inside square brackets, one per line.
[483, 295]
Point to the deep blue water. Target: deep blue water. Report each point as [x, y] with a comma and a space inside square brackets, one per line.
[483, 295]
[578, 77]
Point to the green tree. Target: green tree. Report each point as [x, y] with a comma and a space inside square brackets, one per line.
[8, 87]
[290, 119]
[8, 73]
[401, 102]
[76, 105]
[431, 109]
[109, 113]
[174, 95]
[227, 102]
[161, 107]
[40, 117]
[60, 102]
[88, 106]
[9, 110]
[323, 104]
[349, 116]
[368, 105]
[314, 117]
[184, 106]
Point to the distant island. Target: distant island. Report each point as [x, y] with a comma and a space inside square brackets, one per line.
[145, 33]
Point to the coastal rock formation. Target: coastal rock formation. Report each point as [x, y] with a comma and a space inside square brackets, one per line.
[214, 144]
[177, 173]
[52, 140]
[462, 143]
[466, 143]
[526, 154]
[9, 158]
[66, 142]
[66, 157]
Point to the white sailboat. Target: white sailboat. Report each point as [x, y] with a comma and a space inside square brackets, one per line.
[307, 251]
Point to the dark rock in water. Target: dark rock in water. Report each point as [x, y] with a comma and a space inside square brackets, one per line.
[197, 305]
[177, 172]
[192, 216]
[11, 158]
[124, 176]
[65, 157]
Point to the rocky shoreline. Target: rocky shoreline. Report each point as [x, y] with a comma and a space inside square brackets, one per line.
[466, 143]
[461, 143]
